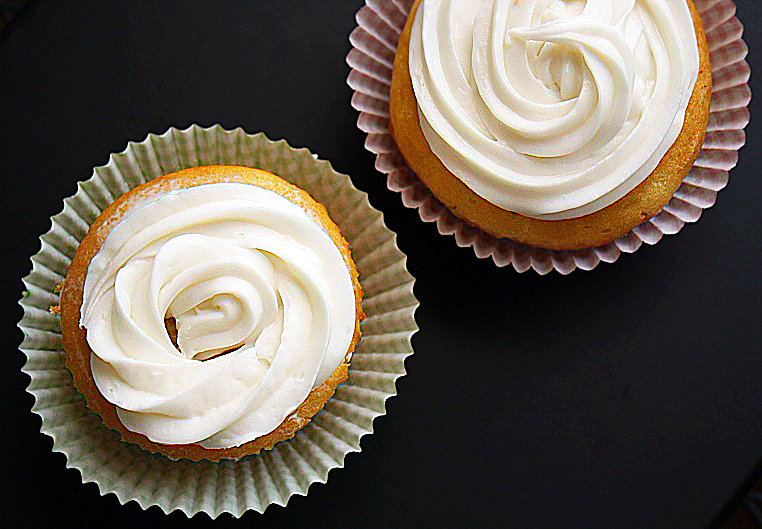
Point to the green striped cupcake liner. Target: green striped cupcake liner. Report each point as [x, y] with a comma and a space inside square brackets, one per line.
[254, 482]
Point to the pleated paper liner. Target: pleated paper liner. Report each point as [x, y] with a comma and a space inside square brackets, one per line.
[374, 43]
[271, 477]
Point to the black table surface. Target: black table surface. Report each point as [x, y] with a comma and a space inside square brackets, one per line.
[629, 396]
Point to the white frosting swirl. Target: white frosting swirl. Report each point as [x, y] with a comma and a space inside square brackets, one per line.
[237, 266]
[552, 108]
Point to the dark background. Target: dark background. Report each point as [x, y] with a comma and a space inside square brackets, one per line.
[629, 396]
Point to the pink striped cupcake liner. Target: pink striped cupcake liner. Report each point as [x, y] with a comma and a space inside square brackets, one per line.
[374, 43]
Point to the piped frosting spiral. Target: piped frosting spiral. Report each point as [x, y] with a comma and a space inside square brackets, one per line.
[263, 303]
[552, 108]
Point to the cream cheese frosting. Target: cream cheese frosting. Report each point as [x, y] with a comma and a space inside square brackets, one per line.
[263, 302]
[552, 108]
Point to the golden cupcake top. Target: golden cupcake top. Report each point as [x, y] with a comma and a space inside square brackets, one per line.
[552, 109]
[211, 313]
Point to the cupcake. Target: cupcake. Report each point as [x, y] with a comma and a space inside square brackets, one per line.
[210, 313]
[321, 444]
[560, 125]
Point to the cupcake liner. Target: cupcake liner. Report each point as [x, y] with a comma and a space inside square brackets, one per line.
[254, 482]
[374, 43]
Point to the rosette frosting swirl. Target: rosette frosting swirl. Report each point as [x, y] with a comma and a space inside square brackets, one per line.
[552, 108]
[263, 303]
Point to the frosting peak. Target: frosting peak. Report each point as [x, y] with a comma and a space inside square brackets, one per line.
[263, 303]
[552, 108]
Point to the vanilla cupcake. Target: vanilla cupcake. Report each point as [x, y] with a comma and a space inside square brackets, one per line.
[561, 125]
[210, 313]
[321, 444]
